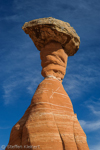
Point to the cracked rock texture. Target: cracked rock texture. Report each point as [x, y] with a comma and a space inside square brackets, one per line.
[49, 123]
[45, 30]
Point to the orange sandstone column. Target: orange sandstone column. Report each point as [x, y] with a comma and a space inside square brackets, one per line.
[49, 123]
[53, 60]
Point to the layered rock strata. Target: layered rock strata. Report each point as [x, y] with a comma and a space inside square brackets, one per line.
[49, 123]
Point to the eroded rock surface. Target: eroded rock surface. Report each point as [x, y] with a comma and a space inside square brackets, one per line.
[45, 30]
[49, 123]
[53, 60]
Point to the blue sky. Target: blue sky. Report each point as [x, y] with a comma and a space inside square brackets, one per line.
[20, 64]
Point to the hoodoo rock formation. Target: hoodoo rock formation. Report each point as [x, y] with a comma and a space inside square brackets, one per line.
[49, 123]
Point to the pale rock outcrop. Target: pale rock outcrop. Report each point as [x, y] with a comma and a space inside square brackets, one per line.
[45, 30]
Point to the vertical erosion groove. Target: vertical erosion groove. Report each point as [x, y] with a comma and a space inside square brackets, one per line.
[74, 136]
[62, 141]
[57, 128]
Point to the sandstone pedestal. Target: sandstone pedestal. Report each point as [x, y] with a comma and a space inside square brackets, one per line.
[49, 123]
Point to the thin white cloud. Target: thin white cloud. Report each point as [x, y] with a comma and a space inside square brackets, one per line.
[90, 126]
[94, 106]
[94, 109]
[72, 86]
[13, 84]
[21, 73]
[8, 92]
[95, 147]
[33, 79]
[33, 84]
[76, 84]
[14, 18]
[81, 77]
[7, 127]
[93, 101]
